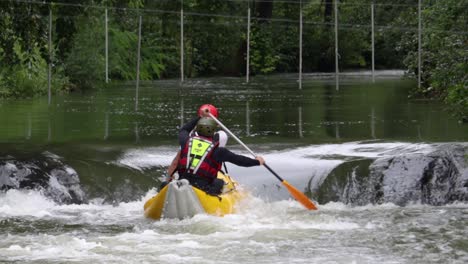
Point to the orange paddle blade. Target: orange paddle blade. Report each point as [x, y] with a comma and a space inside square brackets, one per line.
[299, 196]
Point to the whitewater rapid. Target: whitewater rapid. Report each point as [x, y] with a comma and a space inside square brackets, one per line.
[263, 230]
[36, 229]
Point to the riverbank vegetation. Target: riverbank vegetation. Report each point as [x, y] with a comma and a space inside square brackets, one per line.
[215, 34]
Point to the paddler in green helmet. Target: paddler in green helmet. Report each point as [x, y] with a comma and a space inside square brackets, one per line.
[219, 136]
[202, 154]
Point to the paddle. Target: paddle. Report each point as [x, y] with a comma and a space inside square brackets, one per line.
[298, 195]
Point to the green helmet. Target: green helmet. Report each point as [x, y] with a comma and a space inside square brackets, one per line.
[206, 126]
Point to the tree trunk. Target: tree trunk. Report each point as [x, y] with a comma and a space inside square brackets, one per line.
[328, 12]
[264, 11]
[326, 62]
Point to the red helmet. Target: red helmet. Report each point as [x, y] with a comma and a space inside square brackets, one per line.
[208, 108]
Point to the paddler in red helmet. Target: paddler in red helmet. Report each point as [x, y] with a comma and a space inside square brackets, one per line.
[202, 153]
[203, 111]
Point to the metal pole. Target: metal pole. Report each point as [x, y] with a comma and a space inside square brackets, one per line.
[337, 131]
[106, 129]
[49, 130]
[137, 133]
[138, 64]
[247, 67]
[336, 45]
[247, 118]
[181, 112]
[373, 42]
[29, 132]
[373, 122]
[300, 48]
[107, 49]
[419, 44]
[301, 135]
[182, 43]
[49, 83]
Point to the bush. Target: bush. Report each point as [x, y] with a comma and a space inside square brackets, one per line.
[29, 77]
[444, 56]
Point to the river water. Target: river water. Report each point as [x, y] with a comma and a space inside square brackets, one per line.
[119, 148]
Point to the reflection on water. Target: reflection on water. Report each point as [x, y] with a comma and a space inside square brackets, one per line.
[265, 110]
[300, 122]
[247, 118]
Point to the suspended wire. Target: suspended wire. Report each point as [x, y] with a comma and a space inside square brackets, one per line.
[176, 11]
[235, 17]
[341, 26]
[304, 3]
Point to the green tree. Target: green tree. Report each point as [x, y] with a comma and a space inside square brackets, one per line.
[444, 55]
[24, 53]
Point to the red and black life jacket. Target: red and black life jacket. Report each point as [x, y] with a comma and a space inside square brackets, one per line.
[197, 158]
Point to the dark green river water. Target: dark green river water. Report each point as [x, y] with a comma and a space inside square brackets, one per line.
[120, 147]
[266, 110]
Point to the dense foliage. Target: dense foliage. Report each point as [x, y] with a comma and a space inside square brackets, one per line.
[445, 56]
[215, 41]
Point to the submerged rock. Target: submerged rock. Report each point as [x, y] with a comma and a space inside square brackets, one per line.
[437, 178]
[46, 173]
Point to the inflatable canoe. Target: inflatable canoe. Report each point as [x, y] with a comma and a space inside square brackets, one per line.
[179, 199]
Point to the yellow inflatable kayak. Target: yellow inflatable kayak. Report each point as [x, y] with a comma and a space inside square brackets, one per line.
[179, 199]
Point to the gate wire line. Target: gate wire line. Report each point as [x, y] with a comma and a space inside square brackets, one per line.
[177, 12]
[259, 19]
[295, 2]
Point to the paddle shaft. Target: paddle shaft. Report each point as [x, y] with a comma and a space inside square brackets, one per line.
[245, 146]
[298, 195]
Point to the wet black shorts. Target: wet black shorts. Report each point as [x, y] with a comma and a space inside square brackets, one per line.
[213, 188]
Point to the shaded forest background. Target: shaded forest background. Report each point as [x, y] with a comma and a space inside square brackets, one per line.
[215, 34]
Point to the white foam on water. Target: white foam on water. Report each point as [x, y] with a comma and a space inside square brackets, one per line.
[53, 247]
[315, 161]
[25, 203]
[70, 170]
[174, 258]
[143, 158]
[361, 149]
[275, 232]
[259, 228]
[33, 203]
[96, 212]
[55, 184]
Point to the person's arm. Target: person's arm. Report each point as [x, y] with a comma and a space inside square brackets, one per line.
[223, 154]
[184, 132]
[173, 167]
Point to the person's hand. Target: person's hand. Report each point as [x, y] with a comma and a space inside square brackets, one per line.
[260, 159]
